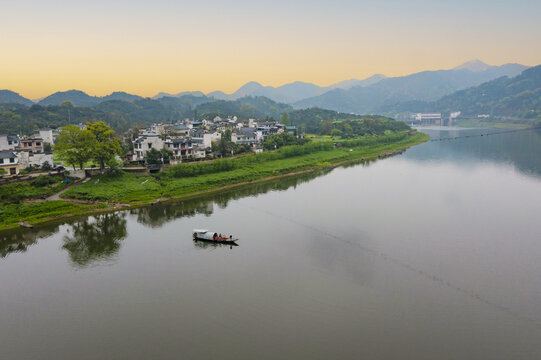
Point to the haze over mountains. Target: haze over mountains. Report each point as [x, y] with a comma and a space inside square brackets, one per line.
[376, 94]
[354, 96]
[423, 86]
[517, 98]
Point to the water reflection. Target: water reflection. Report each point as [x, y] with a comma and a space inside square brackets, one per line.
[19, 241]
[158, 215]
[99, 238]
[518, 149]
[95, 239]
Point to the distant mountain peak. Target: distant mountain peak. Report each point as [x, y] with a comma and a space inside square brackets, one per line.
[473, 65]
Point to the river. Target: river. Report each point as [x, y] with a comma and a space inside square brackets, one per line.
[432, 254]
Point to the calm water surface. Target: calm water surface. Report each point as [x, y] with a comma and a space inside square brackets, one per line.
[433, 254]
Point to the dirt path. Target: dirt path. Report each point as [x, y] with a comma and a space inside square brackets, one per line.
[57, 195]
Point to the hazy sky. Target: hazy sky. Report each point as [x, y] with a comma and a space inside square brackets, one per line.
[148, 46]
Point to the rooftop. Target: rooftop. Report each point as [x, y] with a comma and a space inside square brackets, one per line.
[7, 155]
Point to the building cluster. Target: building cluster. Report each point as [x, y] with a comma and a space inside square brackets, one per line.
[17, 153]
[439, 119]
[192, 140]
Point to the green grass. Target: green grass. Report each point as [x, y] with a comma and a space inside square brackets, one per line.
[43, 185]
[34, 213]
[57, 159]
[137, 189]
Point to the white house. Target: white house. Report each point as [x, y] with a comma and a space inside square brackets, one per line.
[8, 142]
[47, 135]
[247, 136]
[204, 140]
[9, 163]
[27, 159]
[144, 143]
[181, 149]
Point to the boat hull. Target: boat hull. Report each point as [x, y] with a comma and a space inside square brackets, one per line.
[223, 241]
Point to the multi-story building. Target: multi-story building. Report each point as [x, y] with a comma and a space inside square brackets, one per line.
[247, 135]
[144, 143]
[33, 145]
[268, 128]
[428, 118]
[181, 148]
[203, 139]
[46, 134]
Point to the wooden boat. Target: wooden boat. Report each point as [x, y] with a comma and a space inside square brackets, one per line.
[205, 235]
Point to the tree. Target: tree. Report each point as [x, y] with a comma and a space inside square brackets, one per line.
[336, 132]
[47, 148]
[224, 146]
[46, 166]
[105, 145]
[326, 127]
[285, 119]
[166, 155]
[74, 145]
[153, 156]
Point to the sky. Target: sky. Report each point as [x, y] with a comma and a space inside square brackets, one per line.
[146, 47]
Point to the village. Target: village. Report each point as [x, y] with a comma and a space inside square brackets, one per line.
[186, 140]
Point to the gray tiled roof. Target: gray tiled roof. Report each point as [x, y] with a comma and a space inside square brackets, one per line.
[7, 155]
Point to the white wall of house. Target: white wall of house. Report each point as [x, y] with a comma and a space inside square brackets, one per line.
[9, 163]
[144, 144]
[47, 135]
[7, 143]
[206, 140]
[26, 159]
[198, 153]
[247, 138]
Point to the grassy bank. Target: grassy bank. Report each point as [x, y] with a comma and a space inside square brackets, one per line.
[41, 186]
[138, 190]
[34, 213]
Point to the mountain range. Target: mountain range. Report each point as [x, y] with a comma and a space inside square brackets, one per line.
[350, 96]
[516, 97]
[423, 86]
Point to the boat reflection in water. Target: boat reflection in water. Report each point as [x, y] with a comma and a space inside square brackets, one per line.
[211, 245]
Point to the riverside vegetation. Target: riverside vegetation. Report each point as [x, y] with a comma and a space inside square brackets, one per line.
[122, 190]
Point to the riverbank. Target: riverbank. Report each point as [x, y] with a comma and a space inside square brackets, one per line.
[474, 123]
[111, 193]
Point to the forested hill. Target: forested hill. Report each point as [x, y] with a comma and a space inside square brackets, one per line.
[516, 97]
[246, 107]
[8, 96]
[121, 115]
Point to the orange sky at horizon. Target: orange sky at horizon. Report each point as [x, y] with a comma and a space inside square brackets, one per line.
[100, 47]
